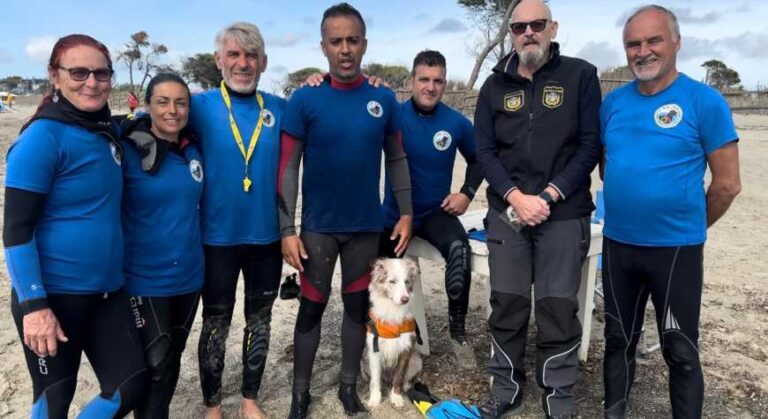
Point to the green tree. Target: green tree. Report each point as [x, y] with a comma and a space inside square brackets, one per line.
[295, 79]
[11, 82]
[720, 76]
[140, 54]
[201, 69]
[395, 75]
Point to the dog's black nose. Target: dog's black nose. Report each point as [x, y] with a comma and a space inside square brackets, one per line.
[404, 299]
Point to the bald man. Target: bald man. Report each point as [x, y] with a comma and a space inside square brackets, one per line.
[537, 133]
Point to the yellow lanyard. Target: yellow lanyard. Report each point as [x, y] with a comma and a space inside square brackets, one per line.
[239, 138]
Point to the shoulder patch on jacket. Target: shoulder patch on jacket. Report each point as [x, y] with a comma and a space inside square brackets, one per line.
[514, 101]
[553, 96]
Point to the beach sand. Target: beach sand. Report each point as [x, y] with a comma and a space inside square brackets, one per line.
[734, 339]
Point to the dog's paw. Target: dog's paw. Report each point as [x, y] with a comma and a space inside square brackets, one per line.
[396, 399]
[374, 400]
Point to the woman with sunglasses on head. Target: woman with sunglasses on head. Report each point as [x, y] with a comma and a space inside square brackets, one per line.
[64, 244]
[162, 187]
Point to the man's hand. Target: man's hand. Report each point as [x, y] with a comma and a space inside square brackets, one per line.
[455, 204]
[531, 209]
[314, 80]
[42, 332]
[293, 251]
[403, 229]
[377, 81]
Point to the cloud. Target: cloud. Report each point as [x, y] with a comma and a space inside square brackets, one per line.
[693, 47]
[39, 48]
[601, 54]
[287, 39]
[5, 57]
[684, 15]
[748, 45]
[280, 69]
[448, 25]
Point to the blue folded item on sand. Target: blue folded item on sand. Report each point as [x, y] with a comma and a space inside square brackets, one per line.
[478, 235]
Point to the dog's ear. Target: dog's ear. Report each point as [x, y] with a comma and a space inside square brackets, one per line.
[412, 265]
[378, 270]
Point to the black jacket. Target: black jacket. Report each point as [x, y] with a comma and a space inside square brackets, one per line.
[546, 131]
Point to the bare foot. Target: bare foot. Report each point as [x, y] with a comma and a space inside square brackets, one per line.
[213, 412]
[249, 409]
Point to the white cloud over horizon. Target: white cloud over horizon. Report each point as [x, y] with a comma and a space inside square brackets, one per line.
[39, 49]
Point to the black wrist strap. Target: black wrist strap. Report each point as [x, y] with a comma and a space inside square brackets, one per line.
[547, 198]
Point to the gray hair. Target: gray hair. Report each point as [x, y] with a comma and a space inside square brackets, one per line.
[247, 36]
[673, 25]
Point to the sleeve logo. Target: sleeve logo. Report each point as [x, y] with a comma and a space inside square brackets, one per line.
[442, 140]
[553, 96]
[375, 109]
[116, 154]
[514, 101]
[196, 170]
[668, 116]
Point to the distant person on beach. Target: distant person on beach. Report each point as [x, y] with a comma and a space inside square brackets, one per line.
[339, 130]
[660, 133]
[238, 127]
[64, 243]
[538, 139]
[133, 103]
[163, 267]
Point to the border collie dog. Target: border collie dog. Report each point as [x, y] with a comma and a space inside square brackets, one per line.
[392, 332]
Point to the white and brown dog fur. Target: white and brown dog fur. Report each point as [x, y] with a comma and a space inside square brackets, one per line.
[391, 290]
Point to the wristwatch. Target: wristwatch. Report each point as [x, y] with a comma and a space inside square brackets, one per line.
[547, 198]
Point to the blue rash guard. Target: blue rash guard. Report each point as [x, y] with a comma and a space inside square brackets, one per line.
[342, 153]
[232, 216]
[656, 150]
[161, 223]
[77, 246]
[430, 143]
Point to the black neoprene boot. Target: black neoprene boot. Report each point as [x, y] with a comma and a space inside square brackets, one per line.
[299, 405]
[350, 400]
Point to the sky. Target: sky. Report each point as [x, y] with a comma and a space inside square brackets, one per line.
[397, 30]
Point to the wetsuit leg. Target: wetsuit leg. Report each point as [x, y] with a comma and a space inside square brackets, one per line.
[221, 272]
[113, 347]
[323, 250]
[164, 327]
[262, 268]
[54, 378]
[387, 245]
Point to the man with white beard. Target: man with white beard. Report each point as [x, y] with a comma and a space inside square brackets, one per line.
[537, 134]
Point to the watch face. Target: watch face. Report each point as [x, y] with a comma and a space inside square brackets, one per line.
[546, 197]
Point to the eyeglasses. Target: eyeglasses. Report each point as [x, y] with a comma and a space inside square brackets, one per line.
[538, 25]
[82, 73]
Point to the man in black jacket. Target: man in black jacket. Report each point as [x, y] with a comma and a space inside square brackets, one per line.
[537, 133]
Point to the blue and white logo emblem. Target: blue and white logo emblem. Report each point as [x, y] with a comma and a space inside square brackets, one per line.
[442, 140]
[375, 109]
[196, 170]
[668, 116]
[116, 154]
[268, 118]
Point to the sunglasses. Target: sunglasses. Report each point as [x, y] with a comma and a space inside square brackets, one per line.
[82, 73]
[538, 25]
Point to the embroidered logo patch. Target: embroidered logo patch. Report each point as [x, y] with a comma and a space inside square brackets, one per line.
[668, 116]
[375, 109]
[513, 101]
[442, 140]
[268, 118]
[553, 96]
[196, 169]
[116, 154]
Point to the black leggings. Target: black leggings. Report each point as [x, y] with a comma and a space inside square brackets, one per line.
[99, 325]
[357, 251]
[261, 266]
[163, 324]
[445, 232]
[672, 276]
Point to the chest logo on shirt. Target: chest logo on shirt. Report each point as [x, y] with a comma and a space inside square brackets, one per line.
[375, 109]
[116, 154]
[268, 118]
[196, 170]
[514, 101]
[668, 116]
[442, 140]
[553, 96]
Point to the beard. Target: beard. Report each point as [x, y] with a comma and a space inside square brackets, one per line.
[239, 86]
[532, 58]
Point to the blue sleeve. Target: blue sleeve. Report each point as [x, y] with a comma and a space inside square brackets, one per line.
[467, 142]
[393, 122]
[604, 110]
[23, 263]
[715, 121]
[293, 121]
[33, 160]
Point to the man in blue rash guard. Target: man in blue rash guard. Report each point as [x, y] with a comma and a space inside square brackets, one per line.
[432, 134]
[239, 129]
[339, 129]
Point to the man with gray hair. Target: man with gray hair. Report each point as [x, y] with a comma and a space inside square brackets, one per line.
[659, 134]
[538, 140]
[239, 133]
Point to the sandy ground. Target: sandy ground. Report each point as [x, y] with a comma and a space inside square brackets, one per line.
[734, 340]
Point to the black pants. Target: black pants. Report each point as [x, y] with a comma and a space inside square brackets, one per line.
[445, 232]
[261, 266]
[549, 258]
[672, 276]
[357, 251]
[163, 324]
[101, 326]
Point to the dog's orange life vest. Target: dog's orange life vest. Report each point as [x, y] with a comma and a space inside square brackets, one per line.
[384, 330]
